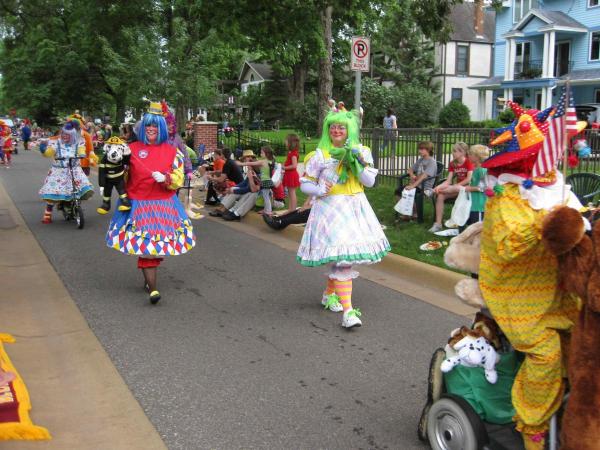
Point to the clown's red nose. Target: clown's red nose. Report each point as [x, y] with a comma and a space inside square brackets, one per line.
[525, 127]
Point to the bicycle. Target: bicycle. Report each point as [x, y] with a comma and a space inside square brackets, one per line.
[72, 209]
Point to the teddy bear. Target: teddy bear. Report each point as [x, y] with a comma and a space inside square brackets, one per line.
[473, 347]
[463, 254]
[578, 255]
[111, 173]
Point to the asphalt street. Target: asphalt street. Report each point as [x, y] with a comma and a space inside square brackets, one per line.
[239, 352]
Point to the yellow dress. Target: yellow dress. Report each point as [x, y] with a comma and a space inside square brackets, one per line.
[518, 279]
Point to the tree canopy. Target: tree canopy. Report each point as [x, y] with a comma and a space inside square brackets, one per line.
[106, 55]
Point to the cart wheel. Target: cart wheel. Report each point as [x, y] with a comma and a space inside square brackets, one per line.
[422, 426]
[452, 424]
[435, 387]
[78, 213]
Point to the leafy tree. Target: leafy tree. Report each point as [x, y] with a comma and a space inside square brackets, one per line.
[454, 115]
[415, 106]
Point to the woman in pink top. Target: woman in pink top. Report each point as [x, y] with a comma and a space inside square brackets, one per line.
[460, 169]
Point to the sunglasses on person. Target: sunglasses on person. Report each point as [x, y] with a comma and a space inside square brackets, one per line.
[338, 127]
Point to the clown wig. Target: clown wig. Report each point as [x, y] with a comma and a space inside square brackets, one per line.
[71, 129]
[347, 118]
[159, 122]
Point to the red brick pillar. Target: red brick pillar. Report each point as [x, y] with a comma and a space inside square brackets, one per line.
[205, 133]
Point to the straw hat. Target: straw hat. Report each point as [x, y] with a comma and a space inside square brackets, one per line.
[247, 153]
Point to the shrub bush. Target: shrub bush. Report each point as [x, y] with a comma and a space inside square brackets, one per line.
[506, 116]
[454, 115]
[415, 106]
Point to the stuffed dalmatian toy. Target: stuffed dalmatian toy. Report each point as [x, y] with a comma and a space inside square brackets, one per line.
[111, 173]
[471, 349]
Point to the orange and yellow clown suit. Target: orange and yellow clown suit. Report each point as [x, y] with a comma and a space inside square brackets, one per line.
[518, 279]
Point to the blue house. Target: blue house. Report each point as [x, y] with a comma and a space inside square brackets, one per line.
[538, 46]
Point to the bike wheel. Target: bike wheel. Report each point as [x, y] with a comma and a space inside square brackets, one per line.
[78, 213]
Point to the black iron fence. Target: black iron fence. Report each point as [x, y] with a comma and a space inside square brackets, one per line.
[238, 141]
[394, 151]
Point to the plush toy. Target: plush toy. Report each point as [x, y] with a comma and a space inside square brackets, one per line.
[582, 148]
[463, 254]
[111, 173]
[578, 257]
[472, 348]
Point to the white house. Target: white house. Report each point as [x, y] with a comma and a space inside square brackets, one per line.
[467, 58]
[253, 74]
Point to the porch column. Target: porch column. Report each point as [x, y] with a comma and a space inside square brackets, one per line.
[545, 69]
[551, 43]
[544, 97]
[507, 59]
[481, 104]
[512, 58]
[548, 94]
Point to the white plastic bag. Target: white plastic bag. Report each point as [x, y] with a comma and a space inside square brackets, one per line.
[462, 208]
[277, 177]
[405, 205]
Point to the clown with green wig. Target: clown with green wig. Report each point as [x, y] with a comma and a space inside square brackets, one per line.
[342, 230]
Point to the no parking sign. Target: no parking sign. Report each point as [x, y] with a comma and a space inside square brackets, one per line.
[359, 58]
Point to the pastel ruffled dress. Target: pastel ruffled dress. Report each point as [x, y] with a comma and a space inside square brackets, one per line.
[342, 227]
[157, 224]
[58, 185]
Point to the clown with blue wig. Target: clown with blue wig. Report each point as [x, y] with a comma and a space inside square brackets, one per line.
[58, 185]
[156, 225]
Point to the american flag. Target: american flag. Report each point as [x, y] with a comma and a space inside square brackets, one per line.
[564, 118]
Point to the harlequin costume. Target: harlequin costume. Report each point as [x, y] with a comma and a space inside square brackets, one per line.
[156, 225]
[342, 229]
[58, 185]
[518, 274]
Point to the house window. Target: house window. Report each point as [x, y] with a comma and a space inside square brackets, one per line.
[592, 3]
[595, 46]
[597, 96]
[522, 7]
[462, 60]
[456, 94]
[251, 77]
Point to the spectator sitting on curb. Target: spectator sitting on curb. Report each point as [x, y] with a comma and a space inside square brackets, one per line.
[240, 198]
[226, 174]
[294, 217]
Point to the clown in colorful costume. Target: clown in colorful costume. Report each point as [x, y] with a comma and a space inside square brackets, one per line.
[58, 185]
[518, 275]
[157, 224]
[342, 229]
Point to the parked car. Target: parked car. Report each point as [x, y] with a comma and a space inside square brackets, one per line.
[589, 112]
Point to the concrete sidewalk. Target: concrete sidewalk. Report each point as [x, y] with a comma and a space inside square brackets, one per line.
[75, 390]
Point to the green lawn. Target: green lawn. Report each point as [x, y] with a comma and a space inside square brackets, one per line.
[306, 144]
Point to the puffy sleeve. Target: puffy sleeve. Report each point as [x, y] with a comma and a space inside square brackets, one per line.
[314, 163]
[48, 149]
[366, 155]
[176, 175]
[519, 231]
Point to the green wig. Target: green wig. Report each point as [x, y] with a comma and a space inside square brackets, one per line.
[347, 118]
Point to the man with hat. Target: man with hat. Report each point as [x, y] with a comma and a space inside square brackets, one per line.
[240, 198]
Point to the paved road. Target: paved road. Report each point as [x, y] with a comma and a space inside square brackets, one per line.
[239, 354]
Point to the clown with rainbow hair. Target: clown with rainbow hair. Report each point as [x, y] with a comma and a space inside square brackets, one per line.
[342, 229]
[156, 225]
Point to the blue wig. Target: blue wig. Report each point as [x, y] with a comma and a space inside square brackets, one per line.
[158, 121]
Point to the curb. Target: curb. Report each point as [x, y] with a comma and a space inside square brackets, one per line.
[425, 282]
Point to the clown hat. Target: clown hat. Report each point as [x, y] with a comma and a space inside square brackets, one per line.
[155, 108]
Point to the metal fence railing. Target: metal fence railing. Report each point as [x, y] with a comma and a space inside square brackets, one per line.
[238, 141]
[394, 151]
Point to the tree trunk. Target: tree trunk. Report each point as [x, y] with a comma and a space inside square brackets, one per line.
[120, 106]
[298, 80]
[181, 117]
[325, 66]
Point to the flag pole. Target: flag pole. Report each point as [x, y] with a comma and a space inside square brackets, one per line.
[565, 141]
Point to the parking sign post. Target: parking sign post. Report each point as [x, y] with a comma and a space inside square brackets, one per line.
[359, 62]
